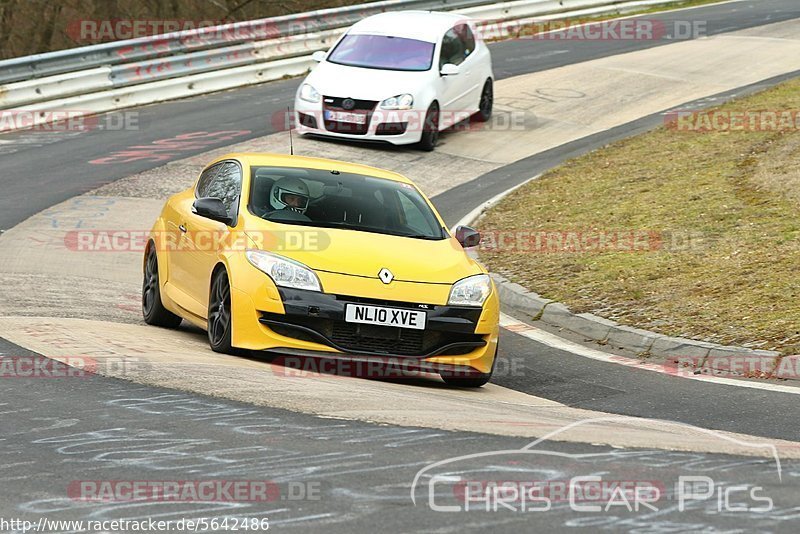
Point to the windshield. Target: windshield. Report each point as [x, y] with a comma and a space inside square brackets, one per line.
[342, 200]
[383, 52]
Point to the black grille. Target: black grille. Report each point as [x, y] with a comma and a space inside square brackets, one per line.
[333, 102]
[380, 339]
[361, 107]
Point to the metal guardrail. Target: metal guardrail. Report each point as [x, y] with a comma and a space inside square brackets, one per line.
[145, 48]
[100, 78]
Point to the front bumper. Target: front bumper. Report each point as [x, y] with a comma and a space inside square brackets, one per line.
[288, 321]
[386, 126]
[319, 318]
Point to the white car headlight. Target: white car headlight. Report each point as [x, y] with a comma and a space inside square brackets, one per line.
[471, 291]
[309, 94]
[398, 102]
[283, 271]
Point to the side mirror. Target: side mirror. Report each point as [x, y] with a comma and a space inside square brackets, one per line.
[468, 237]
[448, 69]
[211, 208]
[318, 56]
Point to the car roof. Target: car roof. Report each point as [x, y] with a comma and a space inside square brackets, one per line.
[254, 159]
[421, 25]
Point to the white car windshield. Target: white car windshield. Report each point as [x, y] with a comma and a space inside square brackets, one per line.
[383, 52]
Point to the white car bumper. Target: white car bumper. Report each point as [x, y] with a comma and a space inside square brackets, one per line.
[395, 127]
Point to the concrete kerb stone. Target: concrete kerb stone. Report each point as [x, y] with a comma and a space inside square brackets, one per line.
[519, 298]
[593, 326]
[741, 353]
[681, 347]
[787, 366]
[722, 351]
[598, 329]
[633, 339]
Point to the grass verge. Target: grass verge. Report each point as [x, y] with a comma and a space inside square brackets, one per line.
[689, 231]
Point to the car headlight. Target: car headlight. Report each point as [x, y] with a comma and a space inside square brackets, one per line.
[398, 102]
[470, 291]
[283, 271]
[309, 94]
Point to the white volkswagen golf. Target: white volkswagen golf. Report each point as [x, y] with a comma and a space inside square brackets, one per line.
[398, 77]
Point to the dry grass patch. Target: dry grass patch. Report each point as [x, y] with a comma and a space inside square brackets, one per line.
[725, 206]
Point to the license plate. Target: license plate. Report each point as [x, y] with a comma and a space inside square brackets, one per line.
[343, 116]
[362, 313]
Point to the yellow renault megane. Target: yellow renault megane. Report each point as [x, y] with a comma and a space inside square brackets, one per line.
[324, 259]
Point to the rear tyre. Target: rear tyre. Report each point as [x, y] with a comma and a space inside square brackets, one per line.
[487, 101]
[153, 310]
[220, 324]
[430, 129]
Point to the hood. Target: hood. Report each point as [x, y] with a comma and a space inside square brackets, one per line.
[364, 254]
[342, 81]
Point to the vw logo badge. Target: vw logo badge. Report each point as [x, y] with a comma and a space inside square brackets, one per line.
[348, 103]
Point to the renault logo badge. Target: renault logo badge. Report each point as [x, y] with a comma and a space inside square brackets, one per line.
[385, 275]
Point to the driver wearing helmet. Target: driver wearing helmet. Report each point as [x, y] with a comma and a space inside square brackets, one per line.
[289, 193]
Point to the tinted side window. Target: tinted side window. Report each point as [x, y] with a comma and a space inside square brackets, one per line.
[452, 49]
[226, 185]
[205, 180]
[467, 38]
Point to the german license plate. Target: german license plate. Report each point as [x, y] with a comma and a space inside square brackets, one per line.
[398, 317]
[343, 116]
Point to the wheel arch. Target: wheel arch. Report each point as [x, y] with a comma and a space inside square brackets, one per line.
[163, 266]
[438, 105]
[220, 266]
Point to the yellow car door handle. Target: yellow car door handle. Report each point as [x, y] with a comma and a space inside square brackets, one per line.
[182, 228]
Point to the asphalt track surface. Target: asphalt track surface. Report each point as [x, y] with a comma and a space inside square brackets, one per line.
[352, 476]
[54, 431]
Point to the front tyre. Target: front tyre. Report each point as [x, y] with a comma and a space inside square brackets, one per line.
[475, 380]
[472, 381]
[153, 309]
[220, 324]
[430, 129]
[487, 101]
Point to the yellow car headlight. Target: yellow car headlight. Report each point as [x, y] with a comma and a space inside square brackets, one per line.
[471, 291]
[284, 271]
